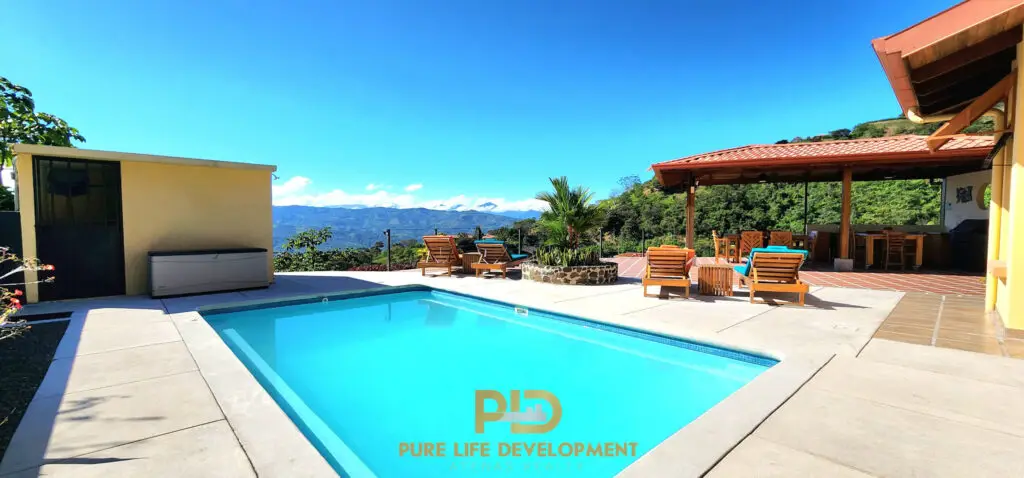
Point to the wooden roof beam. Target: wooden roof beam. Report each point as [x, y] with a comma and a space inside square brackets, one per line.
[972, 112]
[996, 65]
[959, 94]
[966, 56]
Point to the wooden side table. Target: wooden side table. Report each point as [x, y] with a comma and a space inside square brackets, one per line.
[468, 259]
[715, 279]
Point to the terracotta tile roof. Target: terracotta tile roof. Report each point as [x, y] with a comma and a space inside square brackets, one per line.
[906, 145]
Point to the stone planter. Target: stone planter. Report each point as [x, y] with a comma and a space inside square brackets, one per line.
[606, 273]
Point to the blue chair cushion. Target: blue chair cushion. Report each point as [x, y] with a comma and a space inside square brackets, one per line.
[745, 268]
[515, 257]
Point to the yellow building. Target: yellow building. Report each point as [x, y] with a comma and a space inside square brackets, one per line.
[97, 215]
[952, 68]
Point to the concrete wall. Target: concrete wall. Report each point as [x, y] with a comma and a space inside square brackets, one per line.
[24, 193]
[963, 199]
[167, 207]
[170, 206]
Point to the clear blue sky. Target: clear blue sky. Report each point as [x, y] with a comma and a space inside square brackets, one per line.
[484, 99]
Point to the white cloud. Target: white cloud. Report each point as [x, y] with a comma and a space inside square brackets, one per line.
[371, 186]
[290, 187]
[465, 203]
[294, 192]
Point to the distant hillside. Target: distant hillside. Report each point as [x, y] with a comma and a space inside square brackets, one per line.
[363, 227]
[889, 127]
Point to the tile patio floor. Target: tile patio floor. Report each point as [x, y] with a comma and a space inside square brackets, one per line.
[126, 397]
[937, 282]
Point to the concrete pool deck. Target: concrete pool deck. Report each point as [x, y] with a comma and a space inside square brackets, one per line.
[144, 387]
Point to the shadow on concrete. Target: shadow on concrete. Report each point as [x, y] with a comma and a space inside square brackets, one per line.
[29, 445]
[284, 286]
[84, 461]
[299, 284]
[769, 298]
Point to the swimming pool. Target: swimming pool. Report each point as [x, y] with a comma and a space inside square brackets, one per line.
[408, 382]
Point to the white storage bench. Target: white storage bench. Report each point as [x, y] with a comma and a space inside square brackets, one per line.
[174, 273]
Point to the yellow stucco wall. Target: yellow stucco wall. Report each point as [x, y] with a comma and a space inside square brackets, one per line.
[1001, 291]
[167, 206]
[26, 205]
[1009, 292]
[172, 206]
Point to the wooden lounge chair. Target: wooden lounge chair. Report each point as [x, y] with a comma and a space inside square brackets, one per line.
[442, 253]
[774, 271]
[668, 266]
[494, 256]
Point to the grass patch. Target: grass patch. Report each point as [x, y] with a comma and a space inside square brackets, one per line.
[24, 360]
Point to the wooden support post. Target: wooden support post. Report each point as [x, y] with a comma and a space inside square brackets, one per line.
[690, 211]
[973, 111]
[805, 209]
[844, 217]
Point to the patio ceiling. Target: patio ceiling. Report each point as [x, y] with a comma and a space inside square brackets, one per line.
[945, 62]
[892, 157]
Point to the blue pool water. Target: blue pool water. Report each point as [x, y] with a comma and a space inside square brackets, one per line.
[360, 376]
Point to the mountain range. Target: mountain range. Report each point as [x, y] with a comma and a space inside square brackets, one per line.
[357, 226]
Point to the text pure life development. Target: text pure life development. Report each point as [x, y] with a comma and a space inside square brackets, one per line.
[515, 449]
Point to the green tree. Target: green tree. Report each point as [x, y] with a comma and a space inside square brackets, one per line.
[21, 123]
[533, 234]
[6, 199]
[302, 253]
[571, 214]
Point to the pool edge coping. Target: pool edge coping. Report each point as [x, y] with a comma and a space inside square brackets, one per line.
[693, 450]
[274, 444]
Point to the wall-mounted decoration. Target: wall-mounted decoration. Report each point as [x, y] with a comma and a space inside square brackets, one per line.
[964, 194]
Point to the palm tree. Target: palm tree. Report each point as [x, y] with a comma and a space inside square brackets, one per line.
[570, 212]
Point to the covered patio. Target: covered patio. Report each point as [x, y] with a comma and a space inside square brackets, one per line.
[820, 275]
[845, 161]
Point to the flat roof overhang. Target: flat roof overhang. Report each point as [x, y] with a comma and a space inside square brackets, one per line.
[78, 153]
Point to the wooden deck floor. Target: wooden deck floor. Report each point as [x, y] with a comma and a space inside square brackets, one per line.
[956, 322]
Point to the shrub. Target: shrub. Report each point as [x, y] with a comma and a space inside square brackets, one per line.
[10, 299]
[557, 256]
[571, 216]
[400, 255]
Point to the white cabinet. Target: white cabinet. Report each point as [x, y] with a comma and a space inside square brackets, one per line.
[173, 273]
